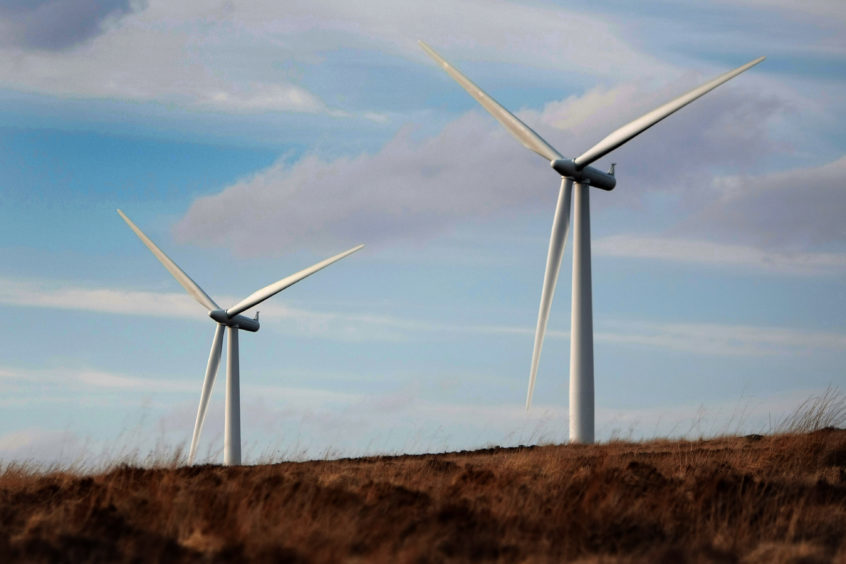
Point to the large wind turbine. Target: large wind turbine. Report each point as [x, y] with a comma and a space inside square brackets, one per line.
[576, 171]
[229, 318]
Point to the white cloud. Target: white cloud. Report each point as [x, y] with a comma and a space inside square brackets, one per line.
[406, 191]
[700, 338]
[721, 339]
[259, 97]
[41, 446]
[99, 379]
[415, 188]
[719, 254]
[417, 426]
[59, 295]
[162, 54]
[247, 56]
[792, 210]
[57, 24]
[342, 326]
[759, 413]
[81, 378]
[306, 426]
[823, 12]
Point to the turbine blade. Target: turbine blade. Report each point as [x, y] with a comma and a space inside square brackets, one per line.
[190, 286]
[522, 132]
[208, 383]
[260, 295]
[557, 240]
[644, 122]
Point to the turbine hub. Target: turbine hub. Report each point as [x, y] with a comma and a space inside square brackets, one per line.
[593, 176]
[220, 316]
[236, 321]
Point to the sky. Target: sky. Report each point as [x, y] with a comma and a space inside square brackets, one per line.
[251, 139]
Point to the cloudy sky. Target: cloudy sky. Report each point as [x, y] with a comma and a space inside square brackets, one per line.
[250, 139]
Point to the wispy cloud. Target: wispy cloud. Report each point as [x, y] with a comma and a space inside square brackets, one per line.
[249, 56]
[40, 445]
[343, 326]
[61, 295]
[162, 53]
[307, 426]
[821, 11]
[719, 254]
[459, 425]
[76, 378]
[721, 339]
[759, 413]
[699, 338]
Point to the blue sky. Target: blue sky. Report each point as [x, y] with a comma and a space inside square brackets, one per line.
[252, 139]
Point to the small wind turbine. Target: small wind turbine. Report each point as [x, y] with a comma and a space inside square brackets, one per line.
[575, 170]
[232, 319]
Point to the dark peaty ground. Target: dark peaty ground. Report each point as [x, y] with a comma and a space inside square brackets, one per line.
[740, 499]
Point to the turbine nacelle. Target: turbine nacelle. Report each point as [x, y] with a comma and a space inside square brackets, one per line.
[584, 175]
[238, 321]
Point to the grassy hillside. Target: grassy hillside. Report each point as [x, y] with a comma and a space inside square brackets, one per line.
[756, 499]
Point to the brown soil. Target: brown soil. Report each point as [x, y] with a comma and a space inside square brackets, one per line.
[739, 499]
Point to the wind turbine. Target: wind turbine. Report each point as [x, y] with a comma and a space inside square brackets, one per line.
[229, 318]
[576, 171]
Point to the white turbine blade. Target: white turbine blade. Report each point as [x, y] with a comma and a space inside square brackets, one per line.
[208, 383]
[190, 286]
[522, 132]
[260, 295]
[557, 240]
[641, 124]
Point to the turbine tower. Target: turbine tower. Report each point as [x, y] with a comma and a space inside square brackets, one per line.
[233, 320]
[578, 171]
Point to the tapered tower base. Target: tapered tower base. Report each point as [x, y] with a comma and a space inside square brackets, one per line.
[232, 432]
[581, 326]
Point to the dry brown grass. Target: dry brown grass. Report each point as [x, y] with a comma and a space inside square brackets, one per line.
[739, 499]
[817, 412]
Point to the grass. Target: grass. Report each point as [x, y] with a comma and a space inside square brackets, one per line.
[779, 498]
[817, 412]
